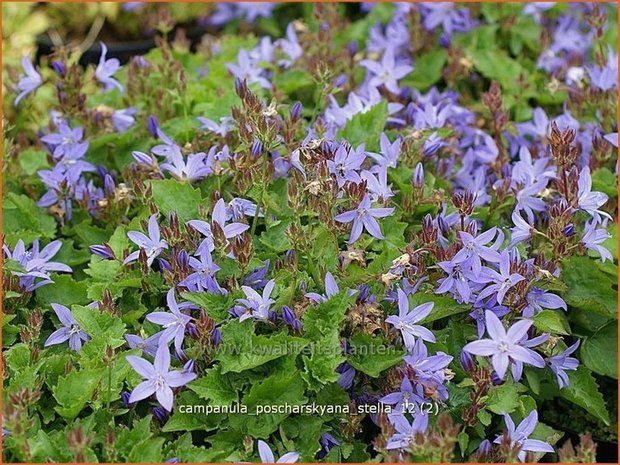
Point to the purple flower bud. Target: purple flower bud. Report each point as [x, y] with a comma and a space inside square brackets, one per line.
[189, 366]
[324, 26]
[340, 80]
[125, 398]
[216, 337]
[103, 251]
[257, 149]
[444, 41]
[484, 449]
[164, 264]
[192, 330]
[153, 125]
[108, 185]
[353, 47]
[143, 158]
[290, 255]
[59, 68]
[140, 61]
[287, 315]
[569, 230]
[363, 294]
[160, 414]
[172, 460]
[327, 442]
[495, 379]
[180, 355]
[296, 111]
[183, 259]
[273, 316]
[467, 362]
[241, 87]
[418, 176]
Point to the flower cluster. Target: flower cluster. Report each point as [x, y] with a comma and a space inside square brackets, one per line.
[402, 218]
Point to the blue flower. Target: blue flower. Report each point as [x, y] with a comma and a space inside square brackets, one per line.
[70, 330]
[28, 82]
[106, 69]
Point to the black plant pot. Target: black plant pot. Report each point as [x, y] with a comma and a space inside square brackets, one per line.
[123, 51]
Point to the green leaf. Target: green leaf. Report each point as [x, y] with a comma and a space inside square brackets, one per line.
[292, 80]
[371, 355]
[583, 391]
[442, 308]
[64, 290]
[242, 350]
[74, 390]
[503, 398]
[32, 160]
[604, 180]
[23, 219]
[428, 69]
[597, 351]
[552, 321]
[365, 128]
[214, 386]
[170, 195]
[216, 305]
[495, 64]
[588, 287]
[147, 450]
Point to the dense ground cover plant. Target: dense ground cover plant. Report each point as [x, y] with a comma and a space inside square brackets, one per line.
[386, 232]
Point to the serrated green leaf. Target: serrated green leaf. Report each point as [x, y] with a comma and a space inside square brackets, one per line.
[597, 351]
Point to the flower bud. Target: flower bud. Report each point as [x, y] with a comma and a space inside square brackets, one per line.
[160, 414]
[183, 259]
[153, 125]
[484, 449]
[108, 185]
[353, 47]
[103, 251]
[143, 158]
[569, 230]
[164, 264]
[125, 398]
[216, 337]
[467, 362]
[296, 111]
[59, 67]
[257, 149]
[418, 176]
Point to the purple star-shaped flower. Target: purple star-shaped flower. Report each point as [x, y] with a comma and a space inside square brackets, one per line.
[406, 319]
[192, 170]
[106, 69]
[345, 164]
[593, 238]
[500, 282]
[519, 436]
[504, 346]
[151, 244]
[218, 217]
[158, 378]
[28, 82]
[475, 249]
[588, 200]
[70, 330]
[363, 217]
[331, 289]
[174, 323]
[257, 305]
[386, 72]
[561, 362]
